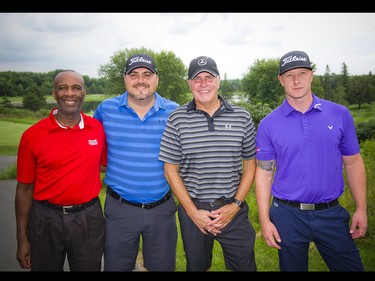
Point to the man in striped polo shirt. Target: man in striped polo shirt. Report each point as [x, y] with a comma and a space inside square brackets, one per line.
[208, 150]
[138, 202]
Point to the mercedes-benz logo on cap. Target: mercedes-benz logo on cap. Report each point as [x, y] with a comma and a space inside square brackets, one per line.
[202, 62]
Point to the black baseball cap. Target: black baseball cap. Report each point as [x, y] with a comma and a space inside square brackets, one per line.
[140, 60]
[202, 64]
[294, 59]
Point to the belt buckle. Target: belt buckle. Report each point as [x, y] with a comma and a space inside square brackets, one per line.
[65, 208]
[307, 207]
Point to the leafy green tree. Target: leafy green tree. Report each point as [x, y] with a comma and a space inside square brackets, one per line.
[34, 99]
[371, 85]
[258, 111]
[316, 86]
[359, 92]
[6, 86]
[344, 81]
[94, 85]
[114, 72]
[6, 102]
[261, 84]
[226, 88]
[236, 85]
[172, 77]
[328, 83]
[171, 71]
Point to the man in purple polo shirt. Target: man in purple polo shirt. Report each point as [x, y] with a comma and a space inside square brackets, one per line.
[301, 148]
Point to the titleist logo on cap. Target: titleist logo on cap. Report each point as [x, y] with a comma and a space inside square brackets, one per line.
[139, 59]
[292, 59]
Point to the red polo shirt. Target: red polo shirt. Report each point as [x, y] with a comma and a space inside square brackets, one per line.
[62, 162]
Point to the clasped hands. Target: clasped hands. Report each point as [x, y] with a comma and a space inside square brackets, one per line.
[214, 221]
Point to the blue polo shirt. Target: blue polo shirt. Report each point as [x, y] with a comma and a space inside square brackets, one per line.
[308, 149]
[133, 169]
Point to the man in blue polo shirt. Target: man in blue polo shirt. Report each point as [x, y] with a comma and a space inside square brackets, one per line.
[139, 204]
[301, 149]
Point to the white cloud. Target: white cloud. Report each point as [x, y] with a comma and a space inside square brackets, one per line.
[43, 42]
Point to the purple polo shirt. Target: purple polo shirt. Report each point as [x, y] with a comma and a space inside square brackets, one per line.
[308, 150]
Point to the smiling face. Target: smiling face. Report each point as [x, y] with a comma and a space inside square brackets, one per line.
[205, 88]
[141, 83]
[69, 93]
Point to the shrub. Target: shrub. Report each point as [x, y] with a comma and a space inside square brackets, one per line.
[366, 130]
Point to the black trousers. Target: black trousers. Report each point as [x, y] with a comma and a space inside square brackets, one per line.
[237, 241]
[77, 236]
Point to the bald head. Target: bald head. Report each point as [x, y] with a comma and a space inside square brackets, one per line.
[68, 74]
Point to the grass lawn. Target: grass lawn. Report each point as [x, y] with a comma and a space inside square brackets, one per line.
[366, 112]
[10, 133]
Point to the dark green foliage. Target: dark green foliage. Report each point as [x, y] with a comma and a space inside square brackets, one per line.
[6, 102]
[171, 71]
[261, 84]
[257, 111]
[34, 99]
[366, 130]
[19, 84]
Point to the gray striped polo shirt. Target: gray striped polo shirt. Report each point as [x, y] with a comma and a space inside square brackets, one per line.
[209, 150]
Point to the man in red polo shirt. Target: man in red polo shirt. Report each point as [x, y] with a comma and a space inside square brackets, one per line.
[58, 212]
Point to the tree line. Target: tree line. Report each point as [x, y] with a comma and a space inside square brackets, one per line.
[260, 88]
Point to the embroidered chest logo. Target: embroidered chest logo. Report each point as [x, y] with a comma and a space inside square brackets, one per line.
[93, 142]
[228, 127]
[330, 127]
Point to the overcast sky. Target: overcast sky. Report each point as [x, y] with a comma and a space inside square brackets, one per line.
[43, 42]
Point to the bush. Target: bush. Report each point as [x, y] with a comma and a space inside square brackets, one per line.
[368, 154]
[257, 111]
[366, 130]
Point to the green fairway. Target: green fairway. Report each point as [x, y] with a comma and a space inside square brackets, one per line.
[366, 112]
[10, 133]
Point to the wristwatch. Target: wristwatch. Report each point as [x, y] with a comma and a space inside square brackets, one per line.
[238, 202]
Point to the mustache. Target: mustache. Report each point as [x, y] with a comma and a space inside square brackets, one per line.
[141, 85]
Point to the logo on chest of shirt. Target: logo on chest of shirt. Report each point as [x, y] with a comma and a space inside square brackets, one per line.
[93, 142]
[228, 127]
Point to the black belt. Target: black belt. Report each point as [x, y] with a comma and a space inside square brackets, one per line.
[69, 209]
[201, 204]
[307, 206]
[141, 205]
